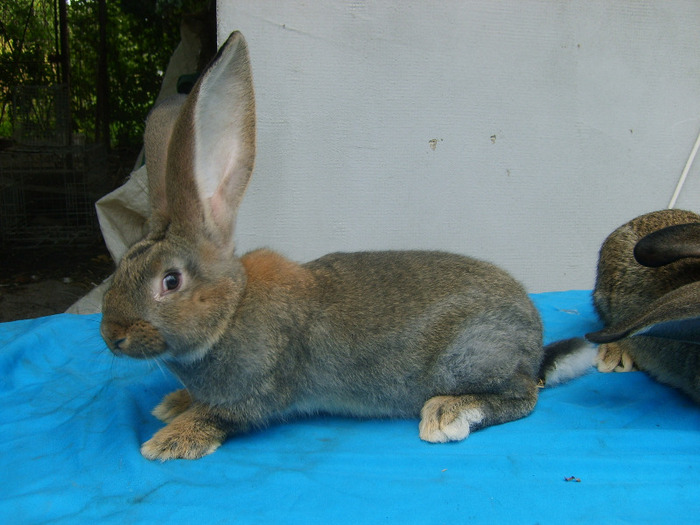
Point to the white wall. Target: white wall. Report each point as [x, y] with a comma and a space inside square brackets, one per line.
[519, 132]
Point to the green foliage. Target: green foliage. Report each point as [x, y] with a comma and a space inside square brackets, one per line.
[141, 36]
[26, 50]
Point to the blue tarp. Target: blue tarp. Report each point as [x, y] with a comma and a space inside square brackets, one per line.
[72, 418]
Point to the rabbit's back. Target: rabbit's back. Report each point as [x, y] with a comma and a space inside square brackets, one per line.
[402, 283]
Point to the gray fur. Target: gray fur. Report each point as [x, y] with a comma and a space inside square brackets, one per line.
[258, 338]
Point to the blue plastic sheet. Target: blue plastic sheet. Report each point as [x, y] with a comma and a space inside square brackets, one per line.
[72, 418]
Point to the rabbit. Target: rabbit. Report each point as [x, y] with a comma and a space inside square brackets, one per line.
[259, 339]
[647, 293]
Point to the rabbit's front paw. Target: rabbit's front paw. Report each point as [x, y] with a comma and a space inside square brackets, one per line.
[173, 405]
[184, 438]
[445, 418]
[613, 358]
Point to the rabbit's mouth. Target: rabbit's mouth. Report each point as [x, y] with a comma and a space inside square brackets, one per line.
[139, 340]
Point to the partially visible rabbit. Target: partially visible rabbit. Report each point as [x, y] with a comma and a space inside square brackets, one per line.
[649, 283]
[259, 339]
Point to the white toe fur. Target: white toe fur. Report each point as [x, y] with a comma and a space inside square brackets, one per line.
[431, 429]
[459, 428]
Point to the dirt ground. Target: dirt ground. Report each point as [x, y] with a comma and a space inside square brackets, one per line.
[40, 282]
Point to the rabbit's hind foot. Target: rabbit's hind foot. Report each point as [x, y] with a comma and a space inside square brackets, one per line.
[453, 418]
[612, 357]
[446, 418]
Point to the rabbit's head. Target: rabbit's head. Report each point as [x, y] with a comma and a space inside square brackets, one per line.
[174, 291]
[675, 314]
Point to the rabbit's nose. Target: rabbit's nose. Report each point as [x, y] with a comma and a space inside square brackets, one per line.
[114, 342]
[115, 345]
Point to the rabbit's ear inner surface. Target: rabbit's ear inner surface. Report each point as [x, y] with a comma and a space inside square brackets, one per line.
[675, 316]
[668, 245]
[224, 132]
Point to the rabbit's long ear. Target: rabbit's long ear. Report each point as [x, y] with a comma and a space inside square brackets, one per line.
[212, 150]
[159, 128]
[668, 245]
[675, 315]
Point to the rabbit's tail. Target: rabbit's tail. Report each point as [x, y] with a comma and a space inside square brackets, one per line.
[566, 359]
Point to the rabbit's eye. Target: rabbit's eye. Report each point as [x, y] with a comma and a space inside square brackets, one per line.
[171, 282]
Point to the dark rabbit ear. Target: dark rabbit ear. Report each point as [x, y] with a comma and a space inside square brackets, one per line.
[668, 245]
[675, 315]
[159, 128]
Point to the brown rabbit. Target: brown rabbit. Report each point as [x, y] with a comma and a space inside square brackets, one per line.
[648, 294]
[259, 338]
